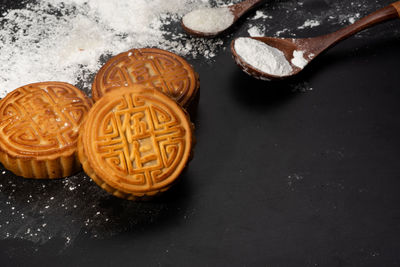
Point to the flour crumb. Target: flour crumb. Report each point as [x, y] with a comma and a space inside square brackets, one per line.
[352, 20]
[256, 31]
[261, 15]
[310, 23]
[279, 33]
[293, 178]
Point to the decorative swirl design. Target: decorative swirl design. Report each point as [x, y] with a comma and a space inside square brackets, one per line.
[42, 119]
[136, 140]
[149, 67]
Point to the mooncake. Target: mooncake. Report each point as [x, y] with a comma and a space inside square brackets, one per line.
[135, 142]
[39, 129]
[150, 67]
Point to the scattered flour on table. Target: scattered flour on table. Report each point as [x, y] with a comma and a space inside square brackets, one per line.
[279, 33]
[309, 23]
[209, 20]
[60, 210]
[293, 178]
[301, 87]
[329, 15]
[262, 57]
[258, 28]
[261, 15]
[256, 31]
[354, 18]
[66, 40]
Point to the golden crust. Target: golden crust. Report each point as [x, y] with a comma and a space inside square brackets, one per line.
[150, 67]
[39, 126]
[41, 169]
[135, 142]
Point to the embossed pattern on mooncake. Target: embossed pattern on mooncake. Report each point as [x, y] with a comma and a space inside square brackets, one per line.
[39, 128]
[150, 67]
[135, 142]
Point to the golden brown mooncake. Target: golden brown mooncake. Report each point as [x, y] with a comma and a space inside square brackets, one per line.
[39, 129]
[150, 67]
[135, 142]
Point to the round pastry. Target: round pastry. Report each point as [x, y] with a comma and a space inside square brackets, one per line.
[39, 129]
[151, 67]
[135, 142]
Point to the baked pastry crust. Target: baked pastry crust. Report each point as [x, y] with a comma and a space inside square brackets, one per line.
[135, 142]
[150, 67]
[39, 129]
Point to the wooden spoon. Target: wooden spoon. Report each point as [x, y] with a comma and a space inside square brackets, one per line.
[237, 10]
[312, 47]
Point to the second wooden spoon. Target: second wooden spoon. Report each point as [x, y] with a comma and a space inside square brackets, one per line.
[309, 48]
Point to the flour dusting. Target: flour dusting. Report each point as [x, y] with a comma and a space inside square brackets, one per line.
[309, 23]
[256, 31]
[41, 211]
[66, 40]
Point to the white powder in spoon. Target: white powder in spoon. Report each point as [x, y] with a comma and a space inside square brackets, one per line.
[262, 57]
[209, 20]
[298, 59]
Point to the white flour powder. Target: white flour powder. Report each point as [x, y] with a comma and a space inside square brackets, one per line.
[209, 20]
[309, 23]
[298, 59]
[263, 57]
[353, 19]
[65, 40]
[256, 31]
[261, 15]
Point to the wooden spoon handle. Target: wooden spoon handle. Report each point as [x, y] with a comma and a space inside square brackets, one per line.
[389, 12]
[397, 7]
[241, 8]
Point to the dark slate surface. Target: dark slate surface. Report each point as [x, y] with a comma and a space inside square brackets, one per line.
[282, 175]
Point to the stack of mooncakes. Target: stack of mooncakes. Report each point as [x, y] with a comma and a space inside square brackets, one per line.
[134, 142]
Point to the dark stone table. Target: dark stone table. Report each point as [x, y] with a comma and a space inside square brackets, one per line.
[304, 172]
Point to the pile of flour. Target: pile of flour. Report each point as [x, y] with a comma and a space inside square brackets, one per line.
[268, 59]
[263, 57]
[68, 40]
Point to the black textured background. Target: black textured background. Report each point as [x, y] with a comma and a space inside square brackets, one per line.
[280, 177]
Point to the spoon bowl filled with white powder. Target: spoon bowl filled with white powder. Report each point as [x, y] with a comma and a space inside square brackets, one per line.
[209, 22]
[268, 58]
